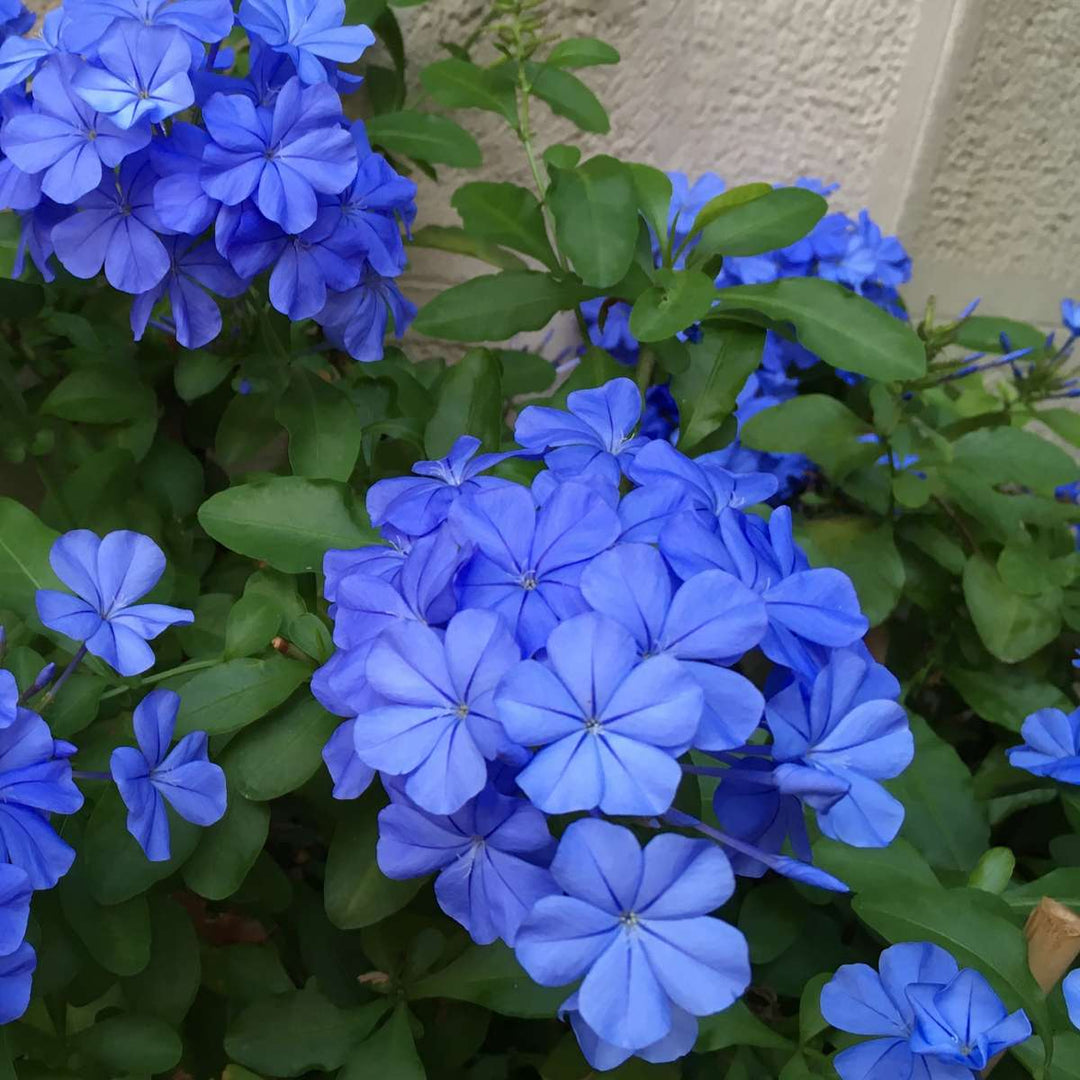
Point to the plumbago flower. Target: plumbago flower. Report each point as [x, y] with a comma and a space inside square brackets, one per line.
[513, 652]
[1051, 745]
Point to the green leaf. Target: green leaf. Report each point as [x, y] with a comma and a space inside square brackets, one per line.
[596, 219]
[24, 558]
[993, 871]
[459, 242]
[117, 936]
[469, 403]
[97, 395]
[236, 693]
[458, 84]
[817, 425]
[20, 299]
[865, 551]
[167, 986]
[1012, 626]
[433, 139]
[281, 752]
[129, 1043]
[524, 372]
[228, 848]
[505, 214]
[489, 975]
[1062, 885]
[355, 891]
[1064, 423]
[76, 707]
[1066, 1059]
[971, 925]
[737, 1026]
[566, 95]
[197, 372]
[252, 622]
[845, 330]
[286, 521]
[116, 866]
[811, 1022]
[581, 52]
[1006, 695]
[875, 869]
[1003, 455]
[595, 368]
[774, 220]
[389, 1054]
[771, 921]
[983, 332]
[293, 1033]
[653, 190]
[942, 818]
[725, 201]
[324, 429]
[497, 306]
[720, 364]
[678, 300]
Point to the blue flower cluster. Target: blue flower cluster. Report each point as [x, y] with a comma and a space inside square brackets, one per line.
[1051, 745]
[145, 148]
[513, 653]
[850, 251]
[931, 1020]
[107, 575]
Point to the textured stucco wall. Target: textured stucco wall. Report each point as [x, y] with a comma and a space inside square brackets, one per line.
[953, 120]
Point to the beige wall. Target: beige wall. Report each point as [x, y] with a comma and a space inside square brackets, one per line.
[956, 121]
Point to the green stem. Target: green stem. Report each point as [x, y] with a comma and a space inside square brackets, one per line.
[182, 669]
[645, 366]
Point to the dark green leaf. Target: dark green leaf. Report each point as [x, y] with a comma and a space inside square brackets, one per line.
[1062, 885]
[875, 869]
[489, 975]
[497, 306]
[389, 1054]
[1003, 455]
[771, 921]
[281, 752]
[117, 936]
[595, 209]
[845, 330]
[737, 1026]
[324, 430]
[20, 299]
[595, 368]
[167, 986]
[865, 551]
[561, 156]
[580, 52]
[983, 332]
[24, 558]
[773, 220]
[524, 373]
[228, 849]
[286, 521]
[653, 190]
[98, 395]
[459, 242]
[469, 403]
[234, 694]
[1012, 626]
[132, 1044]
[1062, 422]
[942, 817]
[566, 95]
[197, 372]
[678, 300]
[252, 622]
[425, 137]
[355, 891]
[1006, 695]
[505, 214]
[725, 201]
[459, 84]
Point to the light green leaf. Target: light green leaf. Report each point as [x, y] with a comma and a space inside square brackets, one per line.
[434, 139]
[596, 219]
[1062, 885]
[875, 869]
[24, 558]
[1005, 695]
[726, 201]
[678, 300]
[845, 330]
[459, 84]
[459, 242]
[775, 219]
[286, 521]
[566, 95]
[983, 332]
[505, 214]
[324, 429]
[1001, 455]
[653, 196]
[251, 624]
[580, 52]
[497, 306]
[1012, 626]
[1064, 423]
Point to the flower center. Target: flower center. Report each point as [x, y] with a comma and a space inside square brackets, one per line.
[593, 724]
[144, 94]
[629, 920]
[529, 580]
[462, 710]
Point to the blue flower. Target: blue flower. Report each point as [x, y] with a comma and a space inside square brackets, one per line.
[867, 257]
[849, 727]
[21, 57]
[107, 576]
[35, 238]
[16, 972]
[194, 268]
[1071, 989]
[528, 564]
[179, 199]
[809, 611]
[15, 893]
[1068, 492]
[712, 617]
[143, 74]
[358, 320]
[35, 780]
[9, 698]
[437, 727]
[636, 925]
[87, 21]
[281, 157]
[593, 436]
[307, 32]
[18, 190]
[488, 856]
[15, 18]
[417, 504]
[1051, 745]
[614, 335]
[149, 776]
[687, 201]
[350, 775]
[611, 725]
[1070, 309]
[116, 227]
[64, 138]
